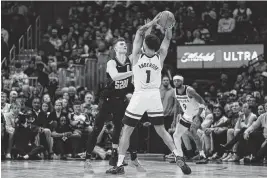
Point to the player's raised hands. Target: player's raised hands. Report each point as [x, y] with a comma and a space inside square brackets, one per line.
[156, 19]
[147, 20]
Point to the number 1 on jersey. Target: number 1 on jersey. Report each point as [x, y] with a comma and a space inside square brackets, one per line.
[148, 72]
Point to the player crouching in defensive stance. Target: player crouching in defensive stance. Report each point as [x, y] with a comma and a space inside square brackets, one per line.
[193, 107]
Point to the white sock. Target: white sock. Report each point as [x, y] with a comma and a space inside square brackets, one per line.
[120, 160]
[115, 146]
[201, 153]
[175, 152]
[26, 157]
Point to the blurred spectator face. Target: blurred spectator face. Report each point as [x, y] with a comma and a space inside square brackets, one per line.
[226, 14]
[195, 85]
[45, 107]
[88, 98]
[3, 98]
[120, 47]
[252, 101]
[217, 112]
[265, 106]
[126, 35]
[196, 34]
[36, 104]
[178, 83]
[86, 34]
[245, 108]
[77, 109]
[257, 84]
[165, 81]
[188, 34]
[66, 96]
[64, 38]
[265, 99]
[13, 96]
[71, 29]
[261, 110]
[76, 26]
[16, 109]
[58, 106]
[63, 121]
[66, 46]
[239, 78]
[18, 68]
[35, 91]
[59, 21]
[94, 112]
[72, 91]
[257, 94]
[54, 33]
[64, 103]
[235, 107]
[89, 10]
[248, 87]
[46, 98]
[232, 97]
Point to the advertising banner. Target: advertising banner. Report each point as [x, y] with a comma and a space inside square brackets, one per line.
[217, 56]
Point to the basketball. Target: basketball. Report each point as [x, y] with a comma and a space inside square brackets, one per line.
[166, 19]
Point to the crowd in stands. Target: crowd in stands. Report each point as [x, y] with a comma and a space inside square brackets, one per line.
[44, 121]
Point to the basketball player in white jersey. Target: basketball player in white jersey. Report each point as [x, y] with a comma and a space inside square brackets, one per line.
[193, 107]
[147, 66]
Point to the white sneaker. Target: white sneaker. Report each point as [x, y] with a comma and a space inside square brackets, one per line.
[135, 163]
[202, 154]
[8, 156]
[88, 168]
[224, 156]
[228, 157]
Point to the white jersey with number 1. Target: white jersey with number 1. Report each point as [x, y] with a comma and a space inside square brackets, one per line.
[147, 73]
[146, 96]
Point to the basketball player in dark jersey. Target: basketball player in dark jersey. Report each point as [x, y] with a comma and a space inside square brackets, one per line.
[113, 100]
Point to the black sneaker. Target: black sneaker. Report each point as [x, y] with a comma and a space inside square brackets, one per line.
[113, 159]
[184, 167]
[116, 170]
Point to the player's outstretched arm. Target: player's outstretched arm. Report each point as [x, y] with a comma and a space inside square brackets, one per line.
[139, 37]
[193, 94]
[113, 72]
[163, 51]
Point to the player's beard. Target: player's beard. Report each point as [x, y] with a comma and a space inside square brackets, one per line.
[179, 86]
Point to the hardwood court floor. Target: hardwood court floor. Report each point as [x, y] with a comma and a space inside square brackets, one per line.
[155, 169]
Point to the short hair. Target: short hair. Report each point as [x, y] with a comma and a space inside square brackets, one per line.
[18, 65]
[165, 76]
[36, 98]
[152, 42]
[58, 101]
[118, 40]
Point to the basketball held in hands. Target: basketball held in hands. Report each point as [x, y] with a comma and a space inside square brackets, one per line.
[167, 20]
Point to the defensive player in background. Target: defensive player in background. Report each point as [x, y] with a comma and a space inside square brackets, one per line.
[113, 100]
[147, 66]
[193, 106]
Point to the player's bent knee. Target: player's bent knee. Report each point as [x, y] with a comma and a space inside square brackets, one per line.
[127, 121]
[157, 121]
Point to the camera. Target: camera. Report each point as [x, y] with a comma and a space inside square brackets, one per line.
[109, 126]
